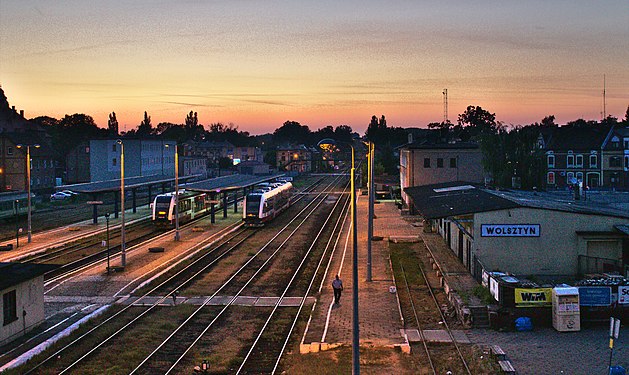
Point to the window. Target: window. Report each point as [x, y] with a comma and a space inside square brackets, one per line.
[113, 147]
[550, 178]
[452, 162]
[579, 160]
[615, 161]
[569, 177]
[87, 149]
[551, 161]
[9, 150]
[626, 162]
[113, 162]
[439, 162]
[426, 162]
[593, 161]
[579, 176]
[626, 143]
[9, 307]
[570, 161]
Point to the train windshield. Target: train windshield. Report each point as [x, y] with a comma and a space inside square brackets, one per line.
[253, 204]
[163, 199]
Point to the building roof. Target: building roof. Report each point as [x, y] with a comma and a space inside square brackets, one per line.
[460, 198]
[16, 273]
[428, 145]
[453, 199]
[582, 138]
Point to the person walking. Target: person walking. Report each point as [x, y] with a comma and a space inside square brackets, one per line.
[337, 285]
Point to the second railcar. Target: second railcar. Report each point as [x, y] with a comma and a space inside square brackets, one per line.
[263, 205]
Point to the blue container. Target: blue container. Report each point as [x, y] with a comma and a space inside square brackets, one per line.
[617, 370]
[523, 324]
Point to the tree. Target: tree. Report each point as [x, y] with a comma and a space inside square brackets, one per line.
[145, 128]
[343, 133]
[478, 118]
[626, 120]
[548, 121]
[192, 120]
[112, 124]
[293, 132]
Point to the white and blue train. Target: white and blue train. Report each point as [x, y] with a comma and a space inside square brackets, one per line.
[266, 202]
[191, 206]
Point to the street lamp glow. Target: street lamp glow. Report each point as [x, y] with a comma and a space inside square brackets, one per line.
[28, 183]
[176, 191]
[329, 144]
[123, 253]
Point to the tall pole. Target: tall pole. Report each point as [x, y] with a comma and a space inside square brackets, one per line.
[355, 333]
[370, 182]
[28, 190]
[28, 185]
[107, 220]
[123, 254]
[176, 194]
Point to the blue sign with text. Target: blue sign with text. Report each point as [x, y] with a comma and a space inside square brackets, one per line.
[595, 296]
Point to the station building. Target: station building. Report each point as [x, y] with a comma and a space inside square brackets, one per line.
[22, 290]
[527, 234]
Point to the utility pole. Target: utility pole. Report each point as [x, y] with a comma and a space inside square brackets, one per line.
[445, 106]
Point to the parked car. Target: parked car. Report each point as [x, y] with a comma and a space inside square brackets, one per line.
[69, 192]
[60, 196]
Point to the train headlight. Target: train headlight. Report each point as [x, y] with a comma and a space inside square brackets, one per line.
[161, 213]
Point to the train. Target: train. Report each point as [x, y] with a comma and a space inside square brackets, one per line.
[266, 202]
[15, 202]
[191, 206]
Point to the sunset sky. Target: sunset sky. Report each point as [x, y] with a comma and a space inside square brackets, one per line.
[259, 63]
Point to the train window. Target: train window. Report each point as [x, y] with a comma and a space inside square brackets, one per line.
[162, 199]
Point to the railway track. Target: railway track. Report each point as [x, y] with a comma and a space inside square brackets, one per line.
[110, 322]
[438, 357]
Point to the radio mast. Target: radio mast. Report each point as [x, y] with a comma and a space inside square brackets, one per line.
[445, 106]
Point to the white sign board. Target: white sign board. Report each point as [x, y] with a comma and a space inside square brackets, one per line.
[493, 288]
[623, 294]
[509, 230]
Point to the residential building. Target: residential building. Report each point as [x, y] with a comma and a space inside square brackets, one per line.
[192, 165]
[253, 167]
[99, 160]
[294, 158]
[425, 162]
[13, 173]
[615, 159]
[577, 154]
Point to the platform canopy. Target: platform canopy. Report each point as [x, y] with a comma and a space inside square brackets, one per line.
[129, 183]
[228, 183]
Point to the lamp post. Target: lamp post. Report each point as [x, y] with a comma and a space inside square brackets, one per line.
[176, 192]
[17, 226]
[28, 183]
[370, 183]
[329, 144]
[123, 254]
[107, 220]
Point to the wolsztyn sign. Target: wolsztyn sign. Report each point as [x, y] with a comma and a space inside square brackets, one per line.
[509, 230]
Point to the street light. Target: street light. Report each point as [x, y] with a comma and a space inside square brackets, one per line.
[123, 253]
[176, 192]
[370, 184]
[329, 144]
[28, 178]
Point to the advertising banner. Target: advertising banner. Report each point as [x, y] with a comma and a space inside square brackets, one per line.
[595, 295]
[623, 294]
[533, 297]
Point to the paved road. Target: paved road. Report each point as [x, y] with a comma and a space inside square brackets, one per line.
[546, 351]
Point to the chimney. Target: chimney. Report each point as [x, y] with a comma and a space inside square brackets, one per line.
[13, 108]
[22, 112]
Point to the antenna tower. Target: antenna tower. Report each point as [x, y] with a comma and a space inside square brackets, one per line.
[445, 106]
[604, 99]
